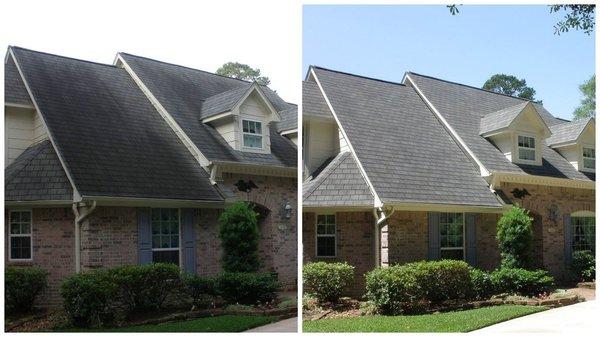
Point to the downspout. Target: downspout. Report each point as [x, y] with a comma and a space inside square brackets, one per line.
[379, 222]
[78, 219]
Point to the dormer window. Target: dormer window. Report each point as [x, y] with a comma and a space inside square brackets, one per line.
[252, 134]
[589, 158]
[526, 146]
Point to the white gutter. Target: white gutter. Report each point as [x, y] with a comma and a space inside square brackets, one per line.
[379, 222]
[79, 217]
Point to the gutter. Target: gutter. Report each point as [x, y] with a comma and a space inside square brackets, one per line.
[79, 217]
[379, 222]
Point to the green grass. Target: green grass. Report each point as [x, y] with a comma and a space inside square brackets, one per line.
[207, 324]
[456, 321]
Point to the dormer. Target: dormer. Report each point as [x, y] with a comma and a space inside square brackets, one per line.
[242, 116]
[517, 131]
[575, 142]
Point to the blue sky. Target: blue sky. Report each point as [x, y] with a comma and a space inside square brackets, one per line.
[385, 41]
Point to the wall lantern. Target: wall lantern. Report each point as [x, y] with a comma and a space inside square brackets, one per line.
[287, 210]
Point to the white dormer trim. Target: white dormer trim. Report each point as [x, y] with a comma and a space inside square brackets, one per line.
[530, 109]
[235, 110]
[581, 165]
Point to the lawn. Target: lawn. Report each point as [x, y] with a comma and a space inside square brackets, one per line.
[207, 324]
[456, 321]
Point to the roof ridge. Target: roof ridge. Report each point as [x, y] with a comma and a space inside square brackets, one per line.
[355, 75]
[186, 67]
[64, 57]
[328, 173]
[41, 145]
[472, 87]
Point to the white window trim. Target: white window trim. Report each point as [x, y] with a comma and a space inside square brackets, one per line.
[535, 148]
[464, 249]
[317, 235]
[178, 241]
[579, 214]
[262, 134]
[583, 168]
[30, 235]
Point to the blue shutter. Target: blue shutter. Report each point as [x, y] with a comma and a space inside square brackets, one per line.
[471, 239]
[144, 236]
[188, 219]
[568, 239]
[434, 236]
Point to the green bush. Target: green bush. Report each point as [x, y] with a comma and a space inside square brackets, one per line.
[410, 287]
[146, 287]
[521, 281]
[247, 288]
[21, 287]
[515, 237]
[200, 289]
[482, 286]
[327, 281]
[89, 297]
[239, 234]
[584, 265]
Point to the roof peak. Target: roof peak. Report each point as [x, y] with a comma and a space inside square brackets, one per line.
[355, 75]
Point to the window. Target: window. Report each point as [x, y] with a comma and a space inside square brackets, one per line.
[526, 147]
[452, 236]
[252, 133]
[20, 244]
[583, 233]
[165, 235]
[326, 235]
[589, 158]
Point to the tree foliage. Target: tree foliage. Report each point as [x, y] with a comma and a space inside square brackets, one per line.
[587, 108]
[239, 233]
[515, 238]
[509, 85]
[578, 17]
[243, 72]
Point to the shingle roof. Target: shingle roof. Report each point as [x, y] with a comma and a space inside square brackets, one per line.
[109, 136]
[464, 106]
[182, 90]
[567, 132]
[37, 175]
[412, 158]
[500, 119]
[313, 103]
[289, 119]
[14, 89]
[340, 183]
[223, 102]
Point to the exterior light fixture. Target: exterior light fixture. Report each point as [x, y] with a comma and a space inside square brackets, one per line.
[287, 210]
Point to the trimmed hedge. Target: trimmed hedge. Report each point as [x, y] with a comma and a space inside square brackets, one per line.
[327, 281]
[584, 265]
[199, 288]
[410, 287]
[482, 286]
[515, 238]
[240, 236]
[22, 285]
[521, 281]
[247, 288]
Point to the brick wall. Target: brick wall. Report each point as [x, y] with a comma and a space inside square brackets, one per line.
[279, 244]
[53, 248]
[355, 244]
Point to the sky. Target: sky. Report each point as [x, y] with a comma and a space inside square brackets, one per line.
[385, 41]
[199, 34]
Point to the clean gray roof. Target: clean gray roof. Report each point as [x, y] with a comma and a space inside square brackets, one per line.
[182, 91]
[406, 153]
[500, 119]
[289, 119]
[567, 132]
[463, 107]
[340, 183]
[37, 175]
[224, 101]
[111, 139]
[313, 103]
[14, 89]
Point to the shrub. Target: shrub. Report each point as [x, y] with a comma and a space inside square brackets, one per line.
[199, 288]
[327, 281]
[408, 288]
[584, 265]
[521, 281]
[482, 286]
[239, 234]
[146, 287]
[88, 297]
[247, 288]
[515, 237]
[22, 285]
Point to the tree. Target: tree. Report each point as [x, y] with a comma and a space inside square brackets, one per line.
[243, 72]
[515, 238]
[239, 234]
[509, 85]
[587, 108]
[578, 17]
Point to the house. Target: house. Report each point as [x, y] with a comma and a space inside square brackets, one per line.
[132, 163]
[423, 169]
